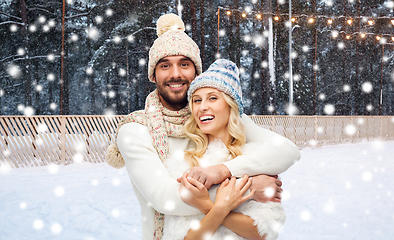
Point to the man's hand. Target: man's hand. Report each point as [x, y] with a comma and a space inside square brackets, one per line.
[209, 175]
[267, 188]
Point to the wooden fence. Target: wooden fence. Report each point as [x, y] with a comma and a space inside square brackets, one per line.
[41, 140]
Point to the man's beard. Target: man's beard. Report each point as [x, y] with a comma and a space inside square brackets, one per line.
[171, 97]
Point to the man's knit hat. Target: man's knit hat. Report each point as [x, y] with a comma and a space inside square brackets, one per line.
[222, 75]
[172, 41]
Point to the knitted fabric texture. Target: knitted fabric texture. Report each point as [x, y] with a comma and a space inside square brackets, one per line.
[172, 41]
[162, 123]
[222, 75]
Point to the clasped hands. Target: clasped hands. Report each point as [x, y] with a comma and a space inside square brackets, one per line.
[265, 188]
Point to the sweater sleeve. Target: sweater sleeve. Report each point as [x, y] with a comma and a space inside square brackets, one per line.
[274, 156]
[148, 173]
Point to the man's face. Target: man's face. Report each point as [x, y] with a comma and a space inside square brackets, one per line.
[173, 76]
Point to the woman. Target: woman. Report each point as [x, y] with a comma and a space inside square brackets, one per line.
[215, 127]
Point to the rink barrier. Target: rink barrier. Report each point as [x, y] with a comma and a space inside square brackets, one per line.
[42, 140]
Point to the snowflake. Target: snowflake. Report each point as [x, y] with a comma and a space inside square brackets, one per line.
[38, 224]
[367, 87]
[130, 38]
[350, 130]
[142, 62]
[51, 23]
[14, 71]
[109, 12]
[59, 191]
[93, 33]
[51, 77]
[28, 111]
[305, 216]
[39, 88]
[21, 51]
[329, 3]
[369, 107]
[341, 45]
[169, 205]
[23, 205]
[291, 109]
[195, 224]
[56, 228]
[53, 168]
[32, 28]
[389, 4]
[46, 28]
[346, 88]
[53, 106]
[329, 109]
[329, 207]
[269, 192]
[247, 38]
[222, 33]
[89, 71]
[115, 213]
[122, 72]
[99, 19]
[78, 158]
[13, 28]
[74, 37]
[116, 182]
[51, 57]
[117, 39]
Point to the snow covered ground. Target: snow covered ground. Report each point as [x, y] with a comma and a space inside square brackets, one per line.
[334, 192]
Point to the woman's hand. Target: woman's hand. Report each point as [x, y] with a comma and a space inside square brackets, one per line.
[195, 194]
[230, 196]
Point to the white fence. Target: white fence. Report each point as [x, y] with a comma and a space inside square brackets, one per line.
[40, 140]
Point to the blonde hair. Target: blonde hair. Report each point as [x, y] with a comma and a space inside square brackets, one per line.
[235, 128]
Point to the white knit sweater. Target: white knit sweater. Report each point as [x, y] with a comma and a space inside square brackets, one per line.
[268, 217]
[155, 189]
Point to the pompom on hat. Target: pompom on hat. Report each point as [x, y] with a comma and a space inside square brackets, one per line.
[172, 41]
[223, 75]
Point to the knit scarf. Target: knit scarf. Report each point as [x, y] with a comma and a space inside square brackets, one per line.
[162, 123]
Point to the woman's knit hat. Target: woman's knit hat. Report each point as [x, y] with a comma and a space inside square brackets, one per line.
[223, 75]
[172, 41]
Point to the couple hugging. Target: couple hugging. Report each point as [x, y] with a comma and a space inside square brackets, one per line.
[200, 167]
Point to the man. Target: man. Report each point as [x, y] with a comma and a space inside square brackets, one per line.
[146, 138]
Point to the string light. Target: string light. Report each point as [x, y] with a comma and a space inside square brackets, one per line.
[330, 21]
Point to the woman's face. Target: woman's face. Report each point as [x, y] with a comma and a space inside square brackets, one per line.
[211, 112]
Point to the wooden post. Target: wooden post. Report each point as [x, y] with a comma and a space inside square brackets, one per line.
[63, 122]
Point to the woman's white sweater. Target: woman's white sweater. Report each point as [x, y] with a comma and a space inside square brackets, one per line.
[268, 217]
